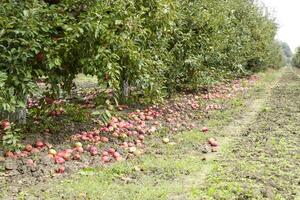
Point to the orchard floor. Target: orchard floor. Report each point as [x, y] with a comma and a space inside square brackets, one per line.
[259, 155]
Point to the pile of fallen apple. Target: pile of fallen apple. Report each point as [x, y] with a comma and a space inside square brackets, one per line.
[127, 134]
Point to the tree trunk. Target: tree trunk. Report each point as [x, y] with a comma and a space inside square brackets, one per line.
[125, 90]
[19, 116]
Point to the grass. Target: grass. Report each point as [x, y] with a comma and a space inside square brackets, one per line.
[157, 174]
[148, 177]
[86, 80]
[166, 171]
[265, 160]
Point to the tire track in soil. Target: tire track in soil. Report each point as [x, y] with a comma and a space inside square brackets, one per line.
[231, 131]
[263, 162]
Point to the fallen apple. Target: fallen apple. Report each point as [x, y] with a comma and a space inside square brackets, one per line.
[116, 154]
[166, 140]
[66, 156]
[93, 151]
[141, 137]
[29, 162]
[28, 148]
[59, 160]
[52, 151]
[60, 170]
[35, 150]
[104, 139]
[78, 144]
[84, 138]
[213, 142]
[105, 159]
[105, 153]
[76, 156]
[69, 151]
[130, 144]
[132, 149]
[5, 124]
[79, 149]
[204, 129]
[111, 150]
[39, 144]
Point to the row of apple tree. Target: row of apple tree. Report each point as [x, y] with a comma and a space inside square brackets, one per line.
[144, 48]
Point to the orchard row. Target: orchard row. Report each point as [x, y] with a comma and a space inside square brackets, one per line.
[140, 49]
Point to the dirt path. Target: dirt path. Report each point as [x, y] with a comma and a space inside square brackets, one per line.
[262, 161]
[259, 156]
[230, 133]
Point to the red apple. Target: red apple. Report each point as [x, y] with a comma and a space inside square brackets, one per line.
[105, 159]
[204, 129]
[213, 142]
[24, 154]
[104, 129]
[28, 147]
[29, 162]
[97, 138]
[141, 137]
[104, 139]
[76, 156]
[66, 156]
[60, 154]
[116, 155]
[60, 170]
[79, 149]
[125, 144]
[35, 150]
[39, 144]
[84, 138]
[59, 160]
[69, 151]
[130, 144]
[111, 150]
[5, 124]
[93, 151]
[105, 153]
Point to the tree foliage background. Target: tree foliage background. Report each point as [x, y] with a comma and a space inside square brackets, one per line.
[157, 47]
[296, 58]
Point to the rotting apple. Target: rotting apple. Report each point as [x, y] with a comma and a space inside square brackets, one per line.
[28, 147]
